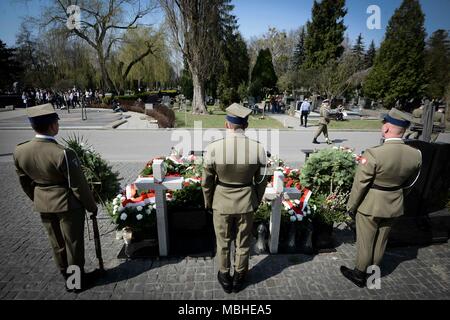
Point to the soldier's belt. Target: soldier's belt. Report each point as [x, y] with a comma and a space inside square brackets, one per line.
[44, 185]
[389, 189]
[235, 186]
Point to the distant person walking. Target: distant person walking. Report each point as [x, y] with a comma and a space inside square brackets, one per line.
[305, 110]
[324, 121]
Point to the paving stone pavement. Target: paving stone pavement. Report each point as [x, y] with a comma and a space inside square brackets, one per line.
[27, 270]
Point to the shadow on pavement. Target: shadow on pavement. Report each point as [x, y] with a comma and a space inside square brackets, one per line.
[271, 266]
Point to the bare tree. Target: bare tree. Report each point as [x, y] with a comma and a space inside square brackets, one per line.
[101, 25]
[194, 27]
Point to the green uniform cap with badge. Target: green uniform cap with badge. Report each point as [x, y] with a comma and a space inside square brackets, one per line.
[42, 114]
[397, 118]
[238, 114]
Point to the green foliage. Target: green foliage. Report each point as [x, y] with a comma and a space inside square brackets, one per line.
[332, 208]
[323, 42]
[263, 73]
[370, 55]
[262, 215]
[102, 180]
[243, 91]
[329, 175]
[234, 69]
[438, 63]
[300, 51]
[358, 48]
[327, 170]
[9, 65]
[190, 197]
[398, 70]
[187, 86]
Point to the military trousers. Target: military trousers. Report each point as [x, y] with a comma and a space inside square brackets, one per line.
[371, 238]
[323, 128]
[66, 235]
[229, 227]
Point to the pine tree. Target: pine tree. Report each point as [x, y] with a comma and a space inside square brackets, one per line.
[359, 48]
[438, 63]
[370, 55]
[263, 74]
[235, 61]
[299, 53]
[325, 32]
[398, 71]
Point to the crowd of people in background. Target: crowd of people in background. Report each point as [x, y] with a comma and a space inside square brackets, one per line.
[72, 98]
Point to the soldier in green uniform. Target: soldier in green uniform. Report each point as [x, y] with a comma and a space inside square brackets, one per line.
[323, 122]
[384, 175]
[52, 177]
[233, 185]
[416, 118]
[438, 123]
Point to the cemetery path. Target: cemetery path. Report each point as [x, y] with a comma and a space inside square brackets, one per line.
[27, 270]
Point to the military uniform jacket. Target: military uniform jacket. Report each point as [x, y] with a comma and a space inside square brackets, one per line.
[324, 115]
[439, 119]
[238, 161]
[52, 177]
[393, 164]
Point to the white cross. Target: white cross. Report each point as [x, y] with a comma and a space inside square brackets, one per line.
[276, 194]
[160, 183]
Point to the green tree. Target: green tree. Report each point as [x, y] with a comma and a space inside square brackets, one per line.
[233, 69]
[359, 48]
[325, 32]
[299, 53]
[263, 74]
[398, 71]
[10, 67]
[370, 55]
[438, 63]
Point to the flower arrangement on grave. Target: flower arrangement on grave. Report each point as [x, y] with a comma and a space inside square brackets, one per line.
[292, 210]
[137, 213]
[329, 174]
[135, 210]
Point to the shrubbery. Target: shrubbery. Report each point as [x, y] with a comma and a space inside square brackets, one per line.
[102, 180]
[329, 175]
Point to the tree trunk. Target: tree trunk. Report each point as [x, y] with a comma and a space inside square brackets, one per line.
[198, 101]
[106, 82]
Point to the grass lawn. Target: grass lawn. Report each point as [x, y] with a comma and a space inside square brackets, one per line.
[353, 124]
[217, 120]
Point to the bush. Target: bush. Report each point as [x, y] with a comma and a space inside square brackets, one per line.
[327, 170]
[102, 180]
[329, 175]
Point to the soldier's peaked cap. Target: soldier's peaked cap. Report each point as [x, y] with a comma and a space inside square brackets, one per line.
[397, 118]
[238, 114]
[42, 114]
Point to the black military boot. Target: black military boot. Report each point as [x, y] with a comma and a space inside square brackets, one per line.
[225, 281]
[315, 141]
[357, 277]
[238, 281]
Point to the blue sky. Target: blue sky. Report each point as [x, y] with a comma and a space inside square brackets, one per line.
[255, 16]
